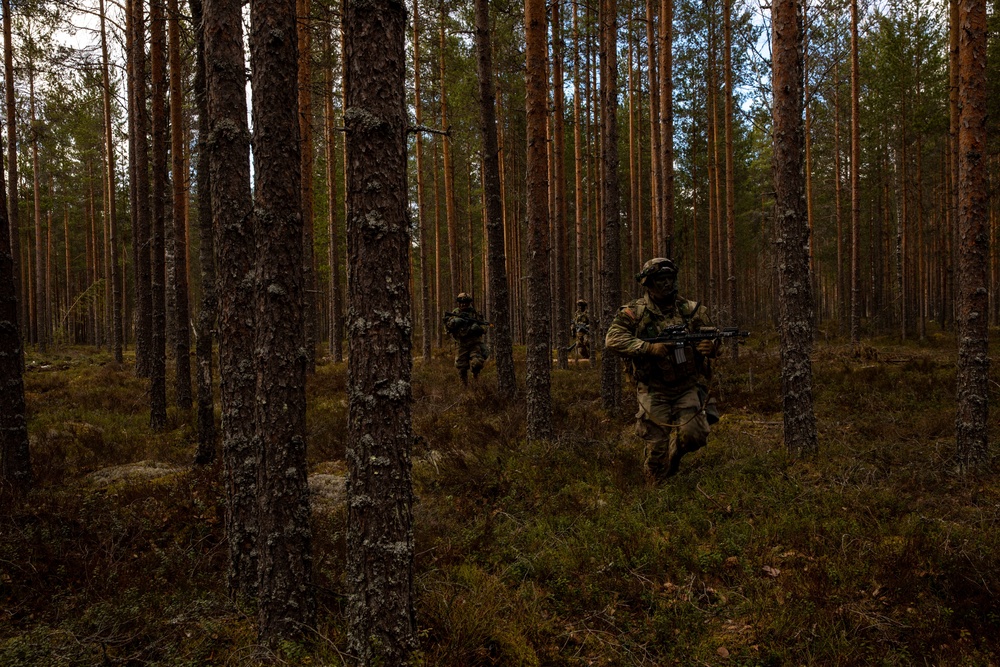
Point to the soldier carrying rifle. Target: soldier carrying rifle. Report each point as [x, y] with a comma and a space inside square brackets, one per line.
[467, 327]
[668, 343]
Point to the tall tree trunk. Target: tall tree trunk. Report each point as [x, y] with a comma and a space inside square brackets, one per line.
[578, 211]
[655, 150]
[971, 422]
[182, 312]
[304, 28]
[208, 313]
[454, 262]
[498, 304]
[730, 180]
[795, 300]
[841, 286]
[12, 211]
[855, 182]
[336, 306]
[229, 164]
[39, 325]
[141, 215]
[611, 391]
[15, 453]
[954, 51]
[561, 237]
[425, 257]
[382, 626]
[539, 357]
[286, 603]
[158, 376]
[666, 34]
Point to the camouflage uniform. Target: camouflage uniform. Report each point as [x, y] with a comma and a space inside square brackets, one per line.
[670, 394]
[581, 329]
[468, 335]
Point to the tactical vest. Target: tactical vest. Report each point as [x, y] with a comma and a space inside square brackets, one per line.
[681, 363]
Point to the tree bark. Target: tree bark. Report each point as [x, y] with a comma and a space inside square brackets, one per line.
[11, 116]
[611, 391]
[578, 210]
[795, 300]
[655, 151]
[182, 312]
[15, 453]
[498, 303]
[561, 237]
[208, 313]
[229, 164]
[454, 261]
[336, 306]
[158, 374]
[855, 182]
[304, 28]
[426, 311]
[141, 215]
[730, 180]
[382, 625]
[973, 302]
[39, 325]
[539, 357]
[286, 603]
[666, 35]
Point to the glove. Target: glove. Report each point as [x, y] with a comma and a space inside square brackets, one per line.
[659, 349]
[706, 347]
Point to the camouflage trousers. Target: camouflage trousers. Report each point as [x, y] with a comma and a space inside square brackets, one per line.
[671, 428]
[471, 354]
[583, 344]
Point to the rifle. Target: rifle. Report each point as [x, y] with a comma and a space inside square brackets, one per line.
[678, 336]
[466, 321]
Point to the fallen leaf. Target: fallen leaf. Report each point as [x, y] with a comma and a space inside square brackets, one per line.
[771, 571]
[723, 652]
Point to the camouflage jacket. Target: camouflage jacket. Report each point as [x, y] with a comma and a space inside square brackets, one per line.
[643, 319]
[464, 324]
[581, 322]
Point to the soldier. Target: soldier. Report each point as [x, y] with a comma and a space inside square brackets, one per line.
[467, 328]
[671, 383]
[581, 329]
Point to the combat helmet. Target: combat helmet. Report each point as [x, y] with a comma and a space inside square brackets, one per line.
[656, 266]
[581, 302]
[463, 297]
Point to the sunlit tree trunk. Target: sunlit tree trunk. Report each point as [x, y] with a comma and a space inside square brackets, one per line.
[972, 308]
[182, 313]
[336, 299]
[795, 300]
[380, 613]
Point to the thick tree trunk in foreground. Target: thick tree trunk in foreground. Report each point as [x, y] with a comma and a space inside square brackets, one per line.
[209, 302]
[539, 361]
[973, 300]
[382, 626]
[611, 391]
[229, 164]
[498, 303]
[286, 602]
[15, 454]
[795, 300]
[158, 374]
[182, 312]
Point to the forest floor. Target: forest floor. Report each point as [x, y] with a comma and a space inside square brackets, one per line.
[875, 552]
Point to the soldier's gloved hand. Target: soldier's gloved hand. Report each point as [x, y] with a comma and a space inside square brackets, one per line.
[706, 347]
[659, 349]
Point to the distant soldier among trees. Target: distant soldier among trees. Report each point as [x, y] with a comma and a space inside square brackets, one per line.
[581, 329]
[671, 382]
[467, 327]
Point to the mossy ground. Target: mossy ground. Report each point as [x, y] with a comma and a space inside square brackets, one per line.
[875, 552]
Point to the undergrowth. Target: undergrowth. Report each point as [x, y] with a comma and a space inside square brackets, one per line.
[875, 552]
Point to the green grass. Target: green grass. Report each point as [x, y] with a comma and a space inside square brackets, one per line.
[875, 552]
